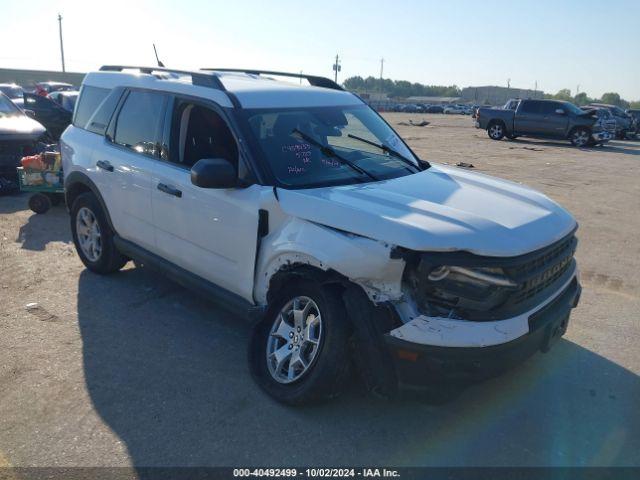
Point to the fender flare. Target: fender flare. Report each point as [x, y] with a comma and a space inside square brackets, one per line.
[76, 178]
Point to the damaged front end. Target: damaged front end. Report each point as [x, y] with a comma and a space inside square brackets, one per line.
[468, 316]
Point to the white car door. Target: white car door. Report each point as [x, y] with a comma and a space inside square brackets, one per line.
[209, 232]
[126, 161]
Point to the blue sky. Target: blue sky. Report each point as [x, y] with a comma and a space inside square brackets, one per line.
[559, 44]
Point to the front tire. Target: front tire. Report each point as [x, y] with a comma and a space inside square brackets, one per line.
[496, 131]
[299, 353]
[580, 137]
[93, 237]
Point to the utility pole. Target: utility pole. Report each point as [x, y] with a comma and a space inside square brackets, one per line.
[535, 90]
[508, 83]
[381, 67]
[577, 89]
[61, 46]
[336, 68]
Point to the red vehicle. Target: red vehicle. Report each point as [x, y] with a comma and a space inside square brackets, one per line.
[45, 88]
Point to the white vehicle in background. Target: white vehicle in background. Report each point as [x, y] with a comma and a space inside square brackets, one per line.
[301, 207]
[14, 91]
[66, 99]
[453, 109]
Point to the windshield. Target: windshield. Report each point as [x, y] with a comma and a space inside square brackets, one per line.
[11, 91]
[314, 147]
[7, 107]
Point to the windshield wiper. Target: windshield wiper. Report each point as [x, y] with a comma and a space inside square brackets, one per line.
[330, 152]
[387, 149]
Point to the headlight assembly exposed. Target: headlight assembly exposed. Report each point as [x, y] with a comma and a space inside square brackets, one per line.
[493, 276]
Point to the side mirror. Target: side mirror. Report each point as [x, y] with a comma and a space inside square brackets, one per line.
[29, 113]
[214, 173]
[559, 111]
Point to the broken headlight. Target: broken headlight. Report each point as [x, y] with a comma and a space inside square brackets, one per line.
[455, 291]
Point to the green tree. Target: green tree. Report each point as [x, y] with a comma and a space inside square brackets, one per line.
[399, 88]
[564, 94]
[582, 99]
[614, 99]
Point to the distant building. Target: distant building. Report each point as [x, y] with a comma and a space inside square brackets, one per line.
[492, 95]
[28, 78]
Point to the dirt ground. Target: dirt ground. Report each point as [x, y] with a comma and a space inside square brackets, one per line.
[133, 370]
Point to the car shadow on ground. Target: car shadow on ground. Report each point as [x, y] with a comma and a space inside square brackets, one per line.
[614, 146]
[167, 372]
[41, 229]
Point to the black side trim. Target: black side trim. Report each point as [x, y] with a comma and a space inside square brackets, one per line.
[226, 299]
[75, 178]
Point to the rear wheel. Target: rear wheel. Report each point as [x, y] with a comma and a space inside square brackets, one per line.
[39, 203]
[580, 137]
[93, 237]
[496, 131]
[299, 352]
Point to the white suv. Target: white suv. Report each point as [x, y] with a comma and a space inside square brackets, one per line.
[301, 207]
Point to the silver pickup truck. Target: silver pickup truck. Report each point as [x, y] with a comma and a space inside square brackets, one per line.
[551, 119]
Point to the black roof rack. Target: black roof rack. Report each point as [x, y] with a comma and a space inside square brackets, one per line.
[312, 79]
[201, 79]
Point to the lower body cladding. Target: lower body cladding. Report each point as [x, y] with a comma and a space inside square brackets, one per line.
[427, 349]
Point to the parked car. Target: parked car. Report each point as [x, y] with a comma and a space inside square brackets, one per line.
[435, 109]
[45, 88]
[624, 122]
[19, 136]
[635, 115]
[543, 119]
[301, 207]
[53, 116]
[66, 99]
[453, 109]
[13, 91]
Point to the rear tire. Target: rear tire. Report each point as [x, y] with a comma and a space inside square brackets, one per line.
[93, 236]
[39, 203]
[496, 130]
[327, 367]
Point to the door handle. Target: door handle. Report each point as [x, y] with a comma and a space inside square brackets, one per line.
[170, 190]
[104, 165]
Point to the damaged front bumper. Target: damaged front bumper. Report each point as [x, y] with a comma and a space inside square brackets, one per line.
[602, 136]
[422, 353]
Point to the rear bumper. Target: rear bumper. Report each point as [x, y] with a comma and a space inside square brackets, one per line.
[418, 364]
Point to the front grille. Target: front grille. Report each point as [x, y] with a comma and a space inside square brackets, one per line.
[537, 274]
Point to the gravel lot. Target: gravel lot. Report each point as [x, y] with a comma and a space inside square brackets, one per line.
[133, 370]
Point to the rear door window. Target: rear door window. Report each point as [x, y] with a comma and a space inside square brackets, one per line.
[139, 122]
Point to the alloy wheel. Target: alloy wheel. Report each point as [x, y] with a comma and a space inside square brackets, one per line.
[89, 235]
[495, 131]
[294, 340]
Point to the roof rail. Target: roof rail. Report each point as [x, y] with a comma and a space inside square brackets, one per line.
[312, 79]
[199, 78]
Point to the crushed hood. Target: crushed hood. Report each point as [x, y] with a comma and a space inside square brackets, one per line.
[440, 209]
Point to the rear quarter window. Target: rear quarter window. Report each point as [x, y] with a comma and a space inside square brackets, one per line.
[89, 100]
